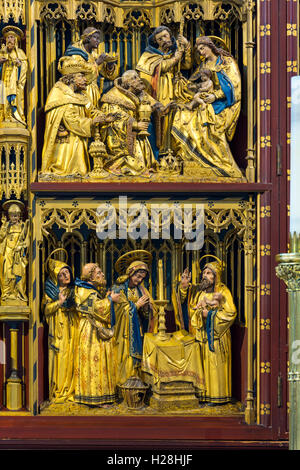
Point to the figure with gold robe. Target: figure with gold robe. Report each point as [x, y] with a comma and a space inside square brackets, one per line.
[58, 306]
[203, 137]
[126, 140]
[14, 243]
[85, 52]
[135, 314]
[207, 311]
[158, 66]
[13, 71]
[95, 368]
[70, 122]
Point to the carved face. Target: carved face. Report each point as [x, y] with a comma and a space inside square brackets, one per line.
[205, 51]
[80, 82]
[203, 76]
[10, 41]
[136, 83]
[209, 276]
[94, 40]
[163, 40]
[64, 277]
[98, 277]
[136, 279]
[14, 217]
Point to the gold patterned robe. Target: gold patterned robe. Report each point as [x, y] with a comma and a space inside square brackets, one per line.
[68, 127]
[14, 240]
[206, 141]
[158, 70]
[213, 335]
[95, 367]
[13, 79]
[128, 152]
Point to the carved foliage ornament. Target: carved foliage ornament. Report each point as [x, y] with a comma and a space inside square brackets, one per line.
[217, 220]
[167, 16]
[290, 274]
[137, 19]
[12, 10]
[225, 11]
[53, 12]
[86, 12]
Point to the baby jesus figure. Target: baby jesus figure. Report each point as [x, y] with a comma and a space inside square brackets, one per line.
[201, 89]
[206, 305]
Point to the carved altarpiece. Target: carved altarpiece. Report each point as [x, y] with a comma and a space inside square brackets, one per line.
[242, 220]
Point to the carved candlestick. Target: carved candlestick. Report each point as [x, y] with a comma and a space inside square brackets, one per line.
[161, 303]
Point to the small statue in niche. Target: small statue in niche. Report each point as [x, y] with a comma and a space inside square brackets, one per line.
[13, 71]
[14, 243]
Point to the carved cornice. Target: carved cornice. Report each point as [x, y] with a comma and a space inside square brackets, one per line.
[165, 11]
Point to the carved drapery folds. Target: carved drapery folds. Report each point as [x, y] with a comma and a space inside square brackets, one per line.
[229, 233]
[125, 29]
[229, 228]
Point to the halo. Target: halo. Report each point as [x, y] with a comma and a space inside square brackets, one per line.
[136, 255]
[54, 251]
[211, 256]
[220, 42]
[6, 204]
[17, 31]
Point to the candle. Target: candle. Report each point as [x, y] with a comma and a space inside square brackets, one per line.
[160, 280]
[295, 157]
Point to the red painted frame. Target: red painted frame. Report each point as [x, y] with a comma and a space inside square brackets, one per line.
[169, 432]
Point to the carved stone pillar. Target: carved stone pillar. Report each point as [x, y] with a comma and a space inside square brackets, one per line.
[288, 270]
[249, 249]
[14, 384]
[14, 316]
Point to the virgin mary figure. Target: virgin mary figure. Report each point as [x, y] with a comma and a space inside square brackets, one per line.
[202, 134]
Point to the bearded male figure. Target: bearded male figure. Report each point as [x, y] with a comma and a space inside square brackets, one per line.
[95, 363]
[158, 65]
[129, 149]
[13, 71]
[84, 51]
[207, 311]
[70, 122]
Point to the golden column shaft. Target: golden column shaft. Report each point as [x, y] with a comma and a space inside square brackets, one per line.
[14, 386]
